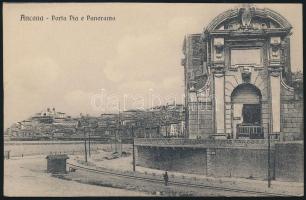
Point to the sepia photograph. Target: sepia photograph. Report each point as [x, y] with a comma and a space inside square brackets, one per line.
[153, 100]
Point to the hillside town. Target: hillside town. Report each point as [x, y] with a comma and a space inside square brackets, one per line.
[50, 124]
[160, 121]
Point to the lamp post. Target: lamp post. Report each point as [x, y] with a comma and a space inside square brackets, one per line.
[83, 127]
[269, 156]
[89, 143]
[85, 144]
[116, 139]
[198, 123]
[185, 131]
[134, 162]
[269, 178]
[92, 129]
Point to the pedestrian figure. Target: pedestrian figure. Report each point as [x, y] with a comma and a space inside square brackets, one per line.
[166, 178]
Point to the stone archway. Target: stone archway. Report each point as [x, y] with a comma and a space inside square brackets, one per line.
[246, 111]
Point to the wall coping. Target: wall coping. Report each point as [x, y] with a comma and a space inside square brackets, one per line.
[291, 142]
[204, 143]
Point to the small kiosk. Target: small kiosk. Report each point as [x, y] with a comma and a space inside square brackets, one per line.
[7, 154]
[56, 164]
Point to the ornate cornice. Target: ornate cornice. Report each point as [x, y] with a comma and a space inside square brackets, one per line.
[218, 70]
[275, 71]
[232, 13]
[219, 73]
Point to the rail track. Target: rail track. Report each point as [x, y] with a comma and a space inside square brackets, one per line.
[177, 183]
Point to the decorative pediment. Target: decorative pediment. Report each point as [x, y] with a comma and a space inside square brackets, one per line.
[248, 18]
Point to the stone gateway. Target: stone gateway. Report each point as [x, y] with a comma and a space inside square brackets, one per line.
[238, 77]
[243, 116]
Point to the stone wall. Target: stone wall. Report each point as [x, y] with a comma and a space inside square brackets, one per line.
[173, 159]
[205, 120]
[239, 162]
[289, 161]
[222, 162]
[292, 116]
[286, 161]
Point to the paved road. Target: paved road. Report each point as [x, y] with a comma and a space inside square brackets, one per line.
[26, 177]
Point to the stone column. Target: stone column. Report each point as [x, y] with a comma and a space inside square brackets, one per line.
[219, 103]
[275, 99]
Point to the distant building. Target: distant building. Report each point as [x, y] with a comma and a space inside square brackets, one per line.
[42, 125]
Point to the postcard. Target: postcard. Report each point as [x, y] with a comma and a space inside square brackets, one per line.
[153, 99]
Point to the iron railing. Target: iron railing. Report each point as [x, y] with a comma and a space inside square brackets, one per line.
[248, 131]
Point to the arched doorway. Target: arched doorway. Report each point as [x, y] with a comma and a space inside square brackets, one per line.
[246, 112]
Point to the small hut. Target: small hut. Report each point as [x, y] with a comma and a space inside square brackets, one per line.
[56, 164]
[7, 154]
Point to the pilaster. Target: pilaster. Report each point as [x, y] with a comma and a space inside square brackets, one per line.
[275, 87]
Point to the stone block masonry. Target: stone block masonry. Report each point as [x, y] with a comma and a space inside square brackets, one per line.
[173, 159]
[286, 162]
[292, 120]
[289, 161]
[239, 162]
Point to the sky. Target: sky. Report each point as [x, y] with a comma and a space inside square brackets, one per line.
[88, 66]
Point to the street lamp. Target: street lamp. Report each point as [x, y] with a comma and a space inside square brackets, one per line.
[79, 125]
[92, 128]
[134, 162]
[89, 142]
[269, 177]
[269, 154]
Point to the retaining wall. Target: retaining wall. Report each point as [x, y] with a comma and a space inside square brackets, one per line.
[177, 159]
[286, 161]
[239, 162]
[289, 161]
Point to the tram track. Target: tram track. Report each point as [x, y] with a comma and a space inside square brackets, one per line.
[176, 183]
